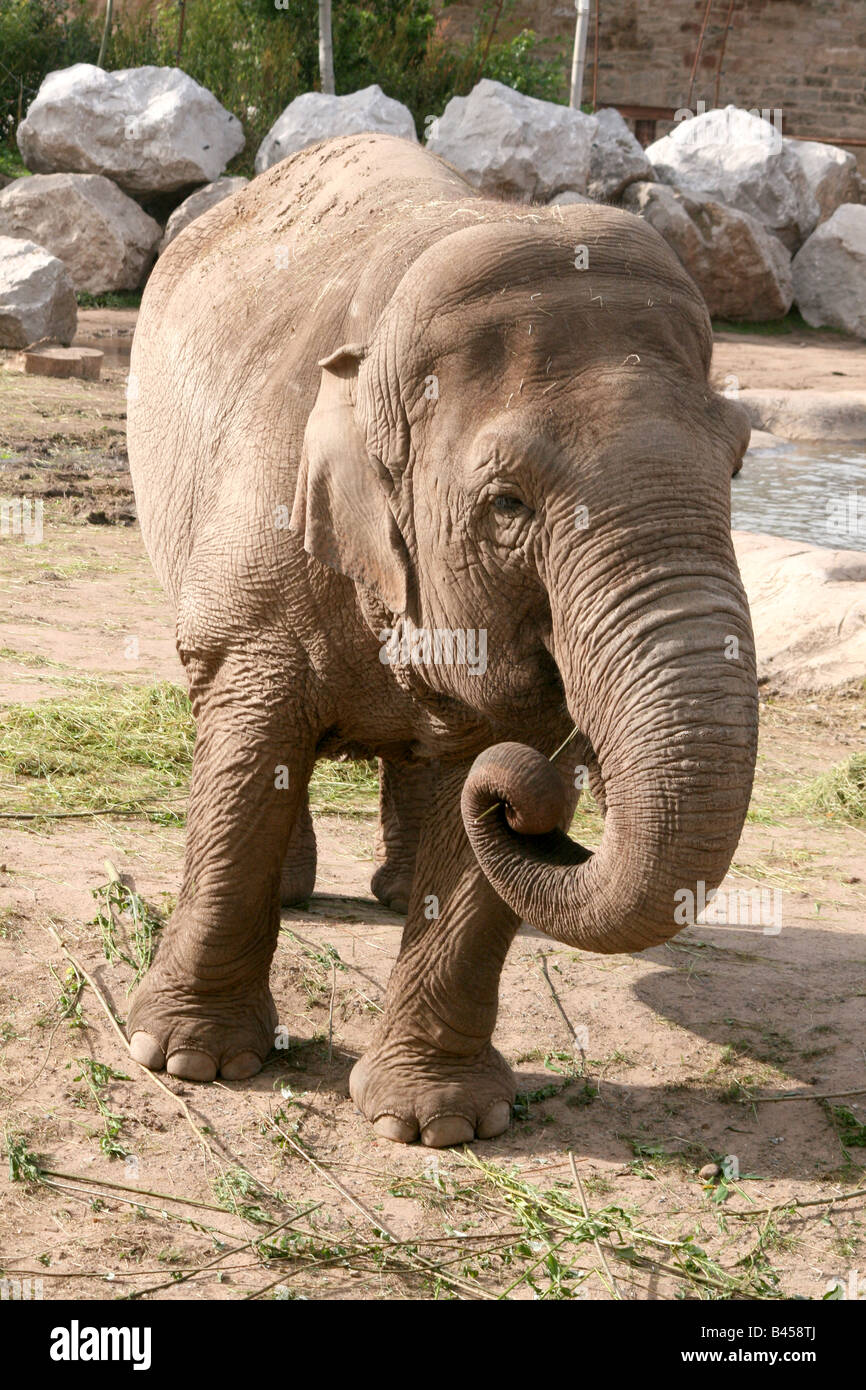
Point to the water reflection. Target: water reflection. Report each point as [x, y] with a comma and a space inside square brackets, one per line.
[808, 492]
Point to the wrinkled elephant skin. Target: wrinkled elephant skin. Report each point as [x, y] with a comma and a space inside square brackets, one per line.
[435, 479]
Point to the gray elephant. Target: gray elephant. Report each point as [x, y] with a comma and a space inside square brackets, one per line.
[435, 479]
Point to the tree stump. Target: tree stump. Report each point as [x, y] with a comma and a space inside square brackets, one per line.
[64, 361]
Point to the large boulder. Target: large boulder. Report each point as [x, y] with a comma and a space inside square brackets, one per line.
[742, 271]
[315, 116]
[509, 144]
[741, 161]
[808, 607]
[616, 157]
[103, 238]
[37, 301]
[830, 272]
[152, 130]
[831, 174]
[197, 203]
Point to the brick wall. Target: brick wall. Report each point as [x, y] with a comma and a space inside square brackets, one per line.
[807, 57]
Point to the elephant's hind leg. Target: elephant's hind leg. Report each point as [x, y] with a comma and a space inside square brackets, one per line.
[404, 803]
[205, 1006]
[298, 874]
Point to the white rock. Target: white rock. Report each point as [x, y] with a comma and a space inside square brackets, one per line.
[742, 271]
[616, 158]
[37, 300]
[103, 238]
[830, 272]
[741, 161]
[151, 130]
[569, 196]
[808, 607]
[315, 116]
[197, 203]
[506, 143]
[831, 175]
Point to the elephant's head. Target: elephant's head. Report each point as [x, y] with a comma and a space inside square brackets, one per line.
[527, 445]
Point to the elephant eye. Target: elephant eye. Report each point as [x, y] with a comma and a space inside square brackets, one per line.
[508, 505]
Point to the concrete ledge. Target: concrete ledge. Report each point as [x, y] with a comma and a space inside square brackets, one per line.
[828, 416]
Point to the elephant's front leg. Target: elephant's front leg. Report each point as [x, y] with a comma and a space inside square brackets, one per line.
[432, 1069]
[205, 1005]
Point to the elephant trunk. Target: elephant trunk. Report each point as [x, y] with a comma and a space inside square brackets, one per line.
[672, 722]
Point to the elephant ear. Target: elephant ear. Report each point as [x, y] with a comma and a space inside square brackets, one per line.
[341, 509]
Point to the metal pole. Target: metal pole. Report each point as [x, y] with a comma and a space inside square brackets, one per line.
[579, 55]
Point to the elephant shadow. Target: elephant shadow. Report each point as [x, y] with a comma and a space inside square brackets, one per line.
[780, 1012]
[784, 1012]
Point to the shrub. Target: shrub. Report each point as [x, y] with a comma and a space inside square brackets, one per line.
[256, 58]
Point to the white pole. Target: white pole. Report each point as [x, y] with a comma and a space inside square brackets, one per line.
[579, 56]
[326, 48]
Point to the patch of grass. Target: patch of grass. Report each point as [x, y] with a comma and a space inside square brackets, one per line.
[112, 299]
[96, 1076]
[316, 971]
[348, 788]
[130, 748]
[24, 1165]
[793, 322]
[68, 1001]
[839, 793]
[122, 910]
[233, 1190]
[546, 1243]
[96, 750]
[851, 1131]
[11, 163]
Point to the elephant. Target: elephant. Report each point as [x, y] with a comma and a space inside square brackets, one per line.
[435, 479]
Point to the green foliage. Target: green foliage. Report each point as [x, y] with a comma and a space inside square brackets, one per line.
[36, 37]
[112, 299]
[256, 58]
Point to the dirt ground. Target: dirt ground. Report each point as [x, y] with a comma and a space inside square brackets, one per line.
[645, 1068]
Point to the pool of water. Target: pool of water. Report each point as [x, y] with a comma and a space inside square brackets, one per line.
[807, 492]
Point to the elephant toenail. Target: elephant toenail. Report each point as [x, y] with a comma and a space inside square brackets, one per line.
[495, 1121]
[241, 1067]
[192, 1066]
[398, 1131]
[446, 1130]
[144, 1049]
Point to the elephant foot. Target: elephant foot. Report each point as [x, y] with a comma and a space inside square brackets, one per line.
[297, 882]
[392, 885]
[198, 1037]
[409, 1091]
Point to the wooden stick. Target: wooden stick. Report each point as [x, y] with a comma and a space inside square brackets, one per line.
[579, 1185]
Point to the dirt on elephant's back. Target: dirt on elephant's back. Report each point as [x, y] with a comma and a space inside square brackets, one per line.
[648, 1069]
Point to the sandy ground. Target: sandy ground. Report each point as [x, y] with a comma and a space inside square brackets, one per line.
[804, 361]
[678, 1054]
